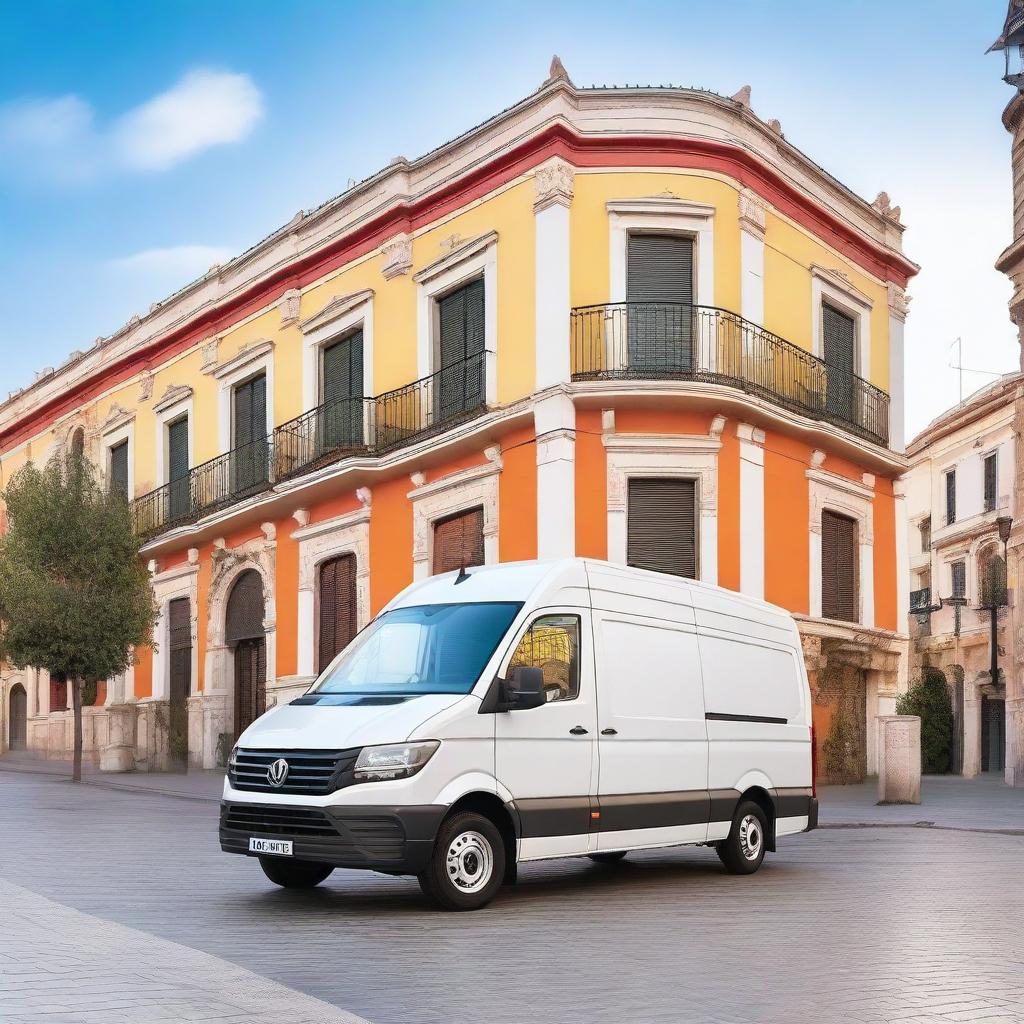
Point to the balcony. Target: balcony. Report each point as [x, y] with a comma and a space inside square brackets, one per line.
[672, 341]
[921, 600]
[319, 438]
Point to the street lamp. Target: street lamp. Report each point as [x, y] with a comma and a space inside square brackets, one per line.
[1011, 42]
[998, 595]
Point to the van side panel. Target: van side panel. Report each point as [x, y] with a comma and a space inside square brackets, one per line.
[755, 694]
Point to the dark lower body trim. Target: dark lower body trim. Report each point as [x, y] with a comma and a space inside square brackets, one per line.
[569, 816]
[397, 839]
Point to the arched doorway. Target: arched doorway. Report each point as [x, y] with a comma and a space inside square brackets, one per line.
[18, 718]
[243, 631]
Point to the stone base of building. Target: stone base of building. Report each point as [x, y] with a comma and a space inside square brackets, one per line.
[855, 675]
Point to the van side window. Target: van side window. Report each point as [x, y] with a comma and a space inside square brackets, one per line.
[552, 644]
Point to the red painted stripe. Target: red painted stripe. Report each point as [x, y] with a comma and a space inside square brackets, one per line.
[558, 140]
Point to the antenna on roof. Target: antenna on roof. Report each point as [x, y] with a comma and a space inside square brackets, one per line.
[462, 577]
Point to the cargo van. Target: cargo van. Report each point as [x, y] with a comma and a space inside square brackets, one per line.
[526, 711]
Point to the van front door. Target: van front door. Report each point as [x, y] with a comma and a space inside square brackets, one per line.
[545, 757]
[652, 738]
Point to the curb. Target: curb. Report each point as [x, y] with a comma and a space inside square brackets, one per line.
[110, 784]
[924, 825]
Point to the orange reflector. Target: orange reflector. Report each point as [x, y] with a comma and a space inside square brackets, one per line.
[595, 814]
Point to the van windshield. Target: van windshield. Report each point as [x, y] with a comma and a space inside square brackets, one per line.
[435, 648]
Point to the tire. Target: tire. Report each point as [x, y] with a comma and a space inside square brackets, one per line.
[608, 858]
[294, 874]
[744, 850]
[467, 866]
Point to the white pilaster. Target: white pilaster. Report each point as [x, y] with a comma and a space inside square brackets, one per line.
[555, 425]
[898, 302]
[751, 509]
[553, 183]
[867, 584]
[752, 226]
[304, 634]
[902, 557]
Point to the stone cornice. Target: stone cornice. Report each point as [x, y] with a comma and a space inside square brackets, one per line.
[334, 309]
[250, 354]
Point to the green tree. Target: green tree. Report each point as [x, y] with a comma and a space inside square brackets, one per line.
[75, 597]
[929, 700]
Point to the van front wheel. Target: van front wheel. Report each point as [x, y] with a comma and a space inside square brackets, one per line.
[468, 863]
[743, 851]
[294, 874]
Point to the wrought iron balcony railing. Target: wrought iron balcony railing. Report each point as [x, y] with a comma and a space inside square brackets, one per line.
[324, 435]
[673, 341]
[921, 600]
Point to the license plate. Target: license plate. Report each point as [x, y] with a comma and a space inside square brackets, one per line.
[282, 847]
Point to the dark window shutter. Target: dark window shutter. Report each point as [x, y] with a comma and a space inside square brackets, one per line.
[839, 334]
[337, 598]
[341, 392]
[178, 469]
[990, 482]
[958, 576]
[244, 618]
[460, 380]
[459, 541]
[661, 526]
[660, 269]
[58, 691]
[343, 369]
[177, 449]
[838, 567]
[951, 497]
[119, 469]
[250, 410]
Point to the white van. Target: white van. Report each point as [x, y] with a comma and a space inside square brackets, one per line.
[531, 710]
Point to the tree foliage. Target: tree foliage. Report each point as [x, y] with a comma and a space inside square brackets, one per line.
[75, 597]
[929, 700]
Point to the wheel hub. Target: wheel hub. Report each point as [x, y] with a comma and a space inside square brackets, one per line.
[751, 837]
[469, 861]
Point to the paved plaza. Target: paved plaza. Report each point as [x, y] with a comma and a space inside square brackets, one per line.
[117, 905]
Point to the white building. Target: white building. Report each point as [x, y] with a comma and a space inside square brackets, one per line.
[959, 487]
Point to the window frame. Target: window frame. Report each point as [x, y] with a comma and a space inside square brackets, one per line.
[166, 416]
[992, 455]
[340, 318]
[953, 565]
[476, 258]
[124, 434]
[856, 565]
[949, 507]
[549, 613]
[828, 287]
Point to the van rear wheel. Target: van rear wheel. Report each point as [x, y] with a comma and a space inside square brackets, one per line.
[467, 866]
[294, 874]
[743, 851]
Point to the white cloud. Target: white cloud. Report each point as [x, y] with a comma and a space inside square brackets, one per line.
[58, 139]
[182, 262]
[206, 108]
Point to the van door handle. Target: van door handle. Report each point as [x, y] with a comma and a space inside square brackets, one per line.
[578, 730]
[609, 732]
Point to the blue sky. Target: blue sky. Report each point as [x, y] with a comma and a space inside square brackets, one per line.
[139, 143]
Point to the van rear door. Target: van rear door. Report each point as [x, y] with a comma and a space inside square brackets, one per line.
[652, 737]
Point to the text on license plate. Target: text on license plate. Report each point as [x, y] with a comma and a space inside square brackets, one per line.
[282, 847]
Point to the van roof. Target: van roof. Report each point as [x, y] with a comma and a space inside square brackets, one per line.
[533, 580]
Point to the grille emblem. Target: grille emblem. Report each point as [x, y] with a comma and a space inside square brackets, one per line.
[277, 773]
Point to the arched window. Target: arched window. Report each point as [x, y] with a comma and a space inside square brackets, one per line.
[991, 578]
[244, 619]
[337, 600]
[78, 443]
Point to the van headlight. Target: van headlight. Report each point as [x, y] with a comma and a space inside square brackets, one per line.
[394, 760]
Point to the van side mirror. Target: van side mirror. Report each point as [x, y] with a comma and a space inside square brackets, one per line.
[522, 690]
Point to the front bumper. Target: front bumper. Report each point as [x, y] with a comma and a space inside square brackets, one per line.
[395, 839]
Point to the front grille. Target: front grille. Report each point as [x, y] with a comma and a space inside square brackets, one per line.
[310, 772]
[353, 840]
[279, 821]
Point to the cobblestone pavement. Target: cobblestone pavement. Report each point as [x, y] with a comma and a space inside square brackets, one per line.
[859, 925]
[65, 967]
